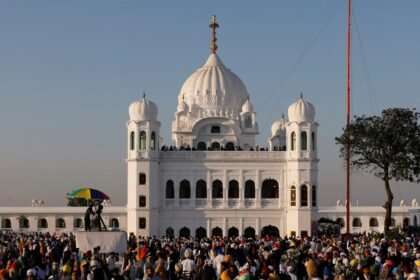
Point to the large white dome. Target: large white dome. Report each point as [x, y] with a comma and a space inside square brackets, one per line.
[301, 111]
[143, 110]
[214, 86]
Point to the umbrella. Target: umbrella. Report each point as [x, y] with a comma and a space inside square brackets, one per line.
[88, 194]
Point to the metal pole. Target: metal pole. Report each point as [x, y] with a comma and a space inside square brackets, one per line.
[348, 121]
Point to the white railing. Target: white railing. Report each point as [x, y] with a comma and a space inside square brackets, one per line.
[249, 203]
[233, 203]
[270, 203]
[201, 203]
[217, 203]
[224, 155]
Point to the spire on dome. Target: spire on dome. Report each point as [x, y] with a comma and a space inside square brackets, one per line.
[301, 95]
[144, 94]
[213, 25]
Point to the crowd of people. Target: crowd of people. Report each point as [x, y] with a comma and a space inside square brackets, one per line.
[360, 256]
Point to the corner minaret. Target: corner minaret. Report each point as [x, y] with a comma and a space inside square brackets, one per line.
[143, 131]
[302, 168]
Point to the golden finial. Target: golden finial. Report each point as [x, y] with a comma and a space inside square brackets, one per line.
[213, 25]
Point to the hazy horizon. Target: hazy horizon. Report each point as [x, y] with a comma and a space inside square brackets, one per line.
[69, 71]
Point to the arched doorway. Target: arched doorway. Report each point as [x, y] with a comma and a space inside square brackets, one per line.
[249, 232]
[229, 146]
[215, 146]
[114, 223]
[184, 232]
[78, 223]
[201, 146]
[200, 233]
[6, 223]
[270, 230]
[42, 223]
[233, 232]
[217, 232]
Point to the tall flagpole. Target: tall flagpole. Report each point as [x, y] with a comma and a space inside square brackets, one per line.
[348, 120]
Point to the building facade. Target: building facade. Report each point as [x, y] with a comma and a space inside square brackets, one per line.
[215, 180]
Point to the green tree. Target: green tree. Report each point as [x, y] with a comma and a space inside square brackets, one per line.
[387, 146]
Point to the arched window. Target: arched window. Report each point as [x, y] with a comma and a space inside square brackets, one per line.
[293, 140]
[170, 193]
[313, 196]
[393, 222]
[293, 196]
[248, 121]
[201, 189]
[153, 141]
[6, 223]
[60, 223]
[303, 195]
[233, 191]
[143, 140]
[170, 232]
[215, 146]
[142, 201]
[215, 129]
[217, 189]
[313, 141]
[142, 223]
[249, 189]
[373, 222]
[282, 140]
[270, 189]
[132, 140]
[23, 222]
[114, 223]
[249, 232]
[217, 232]
[200, 233]
[340, 221]
[201, 146]
[184, 232]
[233, 232]
[357, 222]
[142, 179]
[42, 223]
[184, 189]
[78, 223]
[230, 146]
[303, 141]
[270, 231]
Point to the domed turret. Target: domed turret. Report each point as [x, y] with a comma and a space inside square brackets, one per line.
[277, 126]
[247, 107]
[182, 106]
[301, 111]
[143, 110]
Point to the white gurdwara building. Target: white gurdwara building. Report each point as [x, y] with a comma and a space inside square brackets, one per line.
[215, 180]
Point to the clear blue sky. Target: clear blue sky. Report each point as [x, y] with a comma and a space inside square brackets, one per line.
[70, 69]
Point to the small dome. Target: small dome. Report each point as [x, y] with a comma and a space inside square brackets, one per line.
[214, 86]
[277, 126]
[143, 110]
[301, 111]
[182, 106]
[247, 107]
